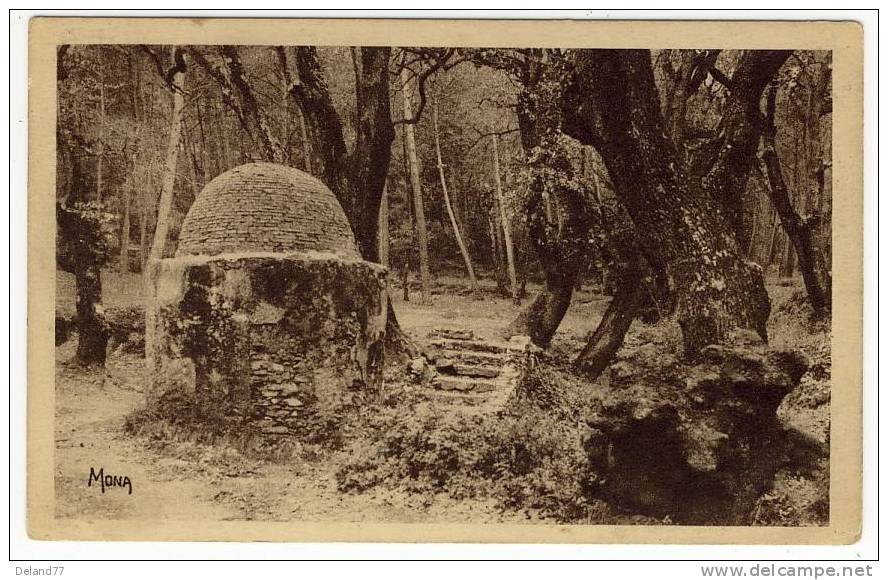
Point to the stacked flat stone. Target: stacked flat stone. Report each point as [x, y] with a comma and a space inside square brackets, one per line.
[265, 207]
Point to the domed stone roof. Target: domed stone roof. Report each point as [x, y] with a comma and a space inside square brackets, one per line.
[265, 207]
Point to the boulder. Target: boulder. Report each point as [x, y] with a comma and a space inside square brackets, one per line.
[699, 443]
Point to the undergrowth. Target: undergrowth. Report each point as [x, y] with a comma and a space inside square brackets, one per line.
[531, 457]
[178, 416]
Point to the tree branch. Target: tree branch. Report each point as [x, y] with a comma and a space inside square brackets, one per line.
[439, 61]
[721, 78]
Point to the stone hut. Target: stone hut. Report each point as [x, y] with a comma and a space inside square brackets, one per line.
[267, 309]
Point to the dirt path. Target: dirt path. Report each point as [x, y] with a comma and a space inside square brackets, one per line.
[90, 412]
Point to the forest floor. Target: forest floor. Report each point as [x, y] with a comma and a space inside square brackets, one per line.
[186, 480]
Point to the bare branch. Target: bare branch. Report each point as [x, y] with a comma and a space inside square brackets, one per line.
[482, 135]
[439, 59]
[721, 78]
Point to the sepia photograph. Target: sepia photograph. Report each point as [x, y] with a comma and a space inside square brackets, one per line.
[512, 286]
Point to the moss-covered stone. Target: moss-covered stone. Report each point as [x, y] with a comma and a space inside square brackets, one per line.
[699, 442]
[283, 341]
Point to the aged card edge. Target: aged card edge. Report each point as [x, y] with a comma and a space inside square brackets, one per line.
[845, 39]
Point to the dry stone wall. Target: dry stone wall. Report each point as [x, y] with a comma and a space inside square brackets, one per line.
[276, 338]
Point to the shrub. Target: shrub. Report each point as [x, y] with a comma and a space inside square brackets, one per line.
[533, 461]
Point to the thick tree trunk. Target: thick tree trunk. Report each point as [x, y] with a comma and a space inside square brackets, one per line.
[504, 217]
[614, 106]
[459, 239]
[556, 207]
[92, 329]
[558, 228]
[608, 337]
[357, 179]
[799, 232]
[541, 318]
[726, 161]
[80, 251]
[368, 164]
[161, 230]
[416, 186]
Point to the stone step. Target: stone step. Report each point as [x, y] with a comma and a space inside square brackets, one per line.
[486, 372]
[460, 399]
[465, 384]
[471, 357]
[456, 334]
[475, 357]
[459, 366]
[472, 345]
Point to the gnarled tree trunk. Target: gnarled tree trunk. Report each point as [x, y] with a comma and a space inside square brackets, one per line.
[608, 337]
[613, 105]
[79, 252]
[80, 245]
[357, 178]
[557, 212]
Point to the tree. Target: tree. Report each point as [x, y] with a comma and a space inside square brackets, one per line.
[725, 161]
[556, 203]
[100, 143]
[241, 99]
[608, 336]
[719, 161]
[416, 187]
[613, 105]
[636, 286]
[176, 76]
[456, 233]
[384, 239]
[799, 231]
[504, 220]
[82, 224]
[128, 190]
[357, 178]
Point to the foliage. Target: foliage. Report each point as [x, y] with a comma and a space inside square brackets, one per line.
[557, 204]
[530, 458]
[179, 413]
[182, 409]
[85, 235]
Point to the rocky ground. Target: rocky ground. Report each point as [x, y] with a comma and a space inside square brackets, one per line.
[180, 477]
